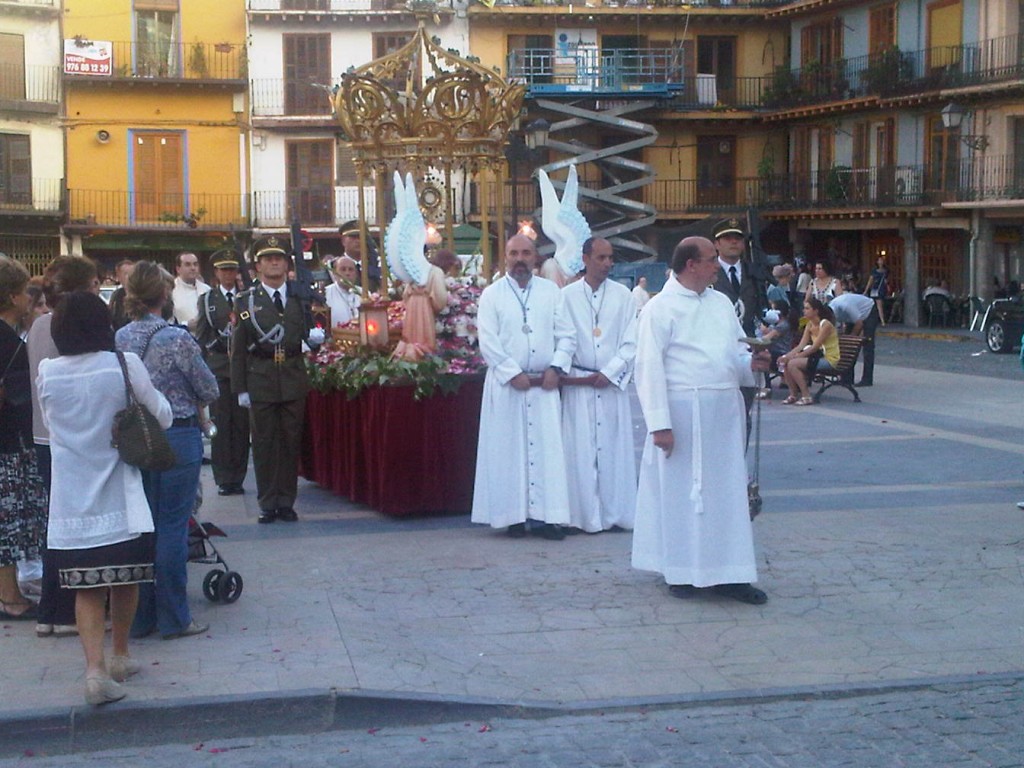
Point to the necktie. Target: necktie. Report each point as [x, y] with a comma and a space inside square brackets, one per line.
[734, 280]
[278, 303]
[229, 296]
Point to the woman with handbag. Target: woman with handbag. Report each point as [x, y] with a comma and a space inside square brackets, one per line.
[100, 526]
[22, 497]
[176, 366]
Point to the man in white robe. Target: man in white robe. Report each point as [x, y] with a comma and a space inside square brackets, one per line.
[692, 519]
[527, 341]
[597, 423]
[341, 295]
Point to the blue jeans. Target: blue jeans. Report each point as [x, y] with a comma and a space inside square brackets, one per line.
[163, 605]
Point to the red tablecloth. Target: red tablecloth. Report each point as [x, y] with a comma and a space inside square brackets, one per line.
[393, 453]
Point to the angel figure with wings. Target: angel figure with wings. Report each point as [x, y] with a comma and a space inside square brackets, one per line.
[426, 292]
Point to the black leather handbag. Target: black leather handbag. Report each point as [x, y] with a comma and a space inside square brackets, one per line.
[137, 434]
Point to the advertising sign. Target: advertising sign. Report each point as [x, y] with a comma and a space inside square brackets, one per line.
[84, 57]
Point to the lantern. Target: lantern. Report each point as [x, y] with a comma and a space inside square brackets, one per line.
[373, 325]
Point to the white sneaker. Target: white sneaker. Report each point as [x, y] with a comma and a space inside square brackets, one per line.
[1020, 505]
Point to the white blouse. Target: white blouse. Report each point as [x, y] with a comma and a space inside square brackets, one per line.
[95, 498]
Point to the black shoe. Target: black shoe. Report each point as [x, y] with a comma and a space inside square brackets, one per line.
[206, 462]
[230, 489]
[517, 531]
[863, 384]
[745, 593]
[552, 532]
[267, 516]
[287, 515]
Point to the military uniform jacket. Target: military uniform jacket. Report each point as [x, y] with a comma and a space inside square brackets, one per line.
[213, 330]
[752, 294]
[253, 367]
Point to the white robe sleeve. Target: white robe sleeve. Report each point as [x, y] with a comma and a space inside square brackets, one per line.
[619, 368]
[651, 384]
[498, 360]
[565, 335]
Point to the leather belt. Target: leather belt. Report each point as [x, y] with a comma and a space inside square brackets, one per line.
[270, 355]
[186, 421]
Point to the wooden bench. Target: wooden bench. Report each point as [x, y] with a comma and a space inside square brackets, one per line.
[842, 374]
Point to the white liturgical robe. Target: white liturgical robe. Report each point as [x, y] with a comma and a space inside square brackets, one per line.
[597, 424]
[344, 304]
[692, 520]
[520, 465]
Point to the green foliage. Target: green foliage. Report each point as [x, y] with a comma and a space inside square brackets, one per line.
[355, 373]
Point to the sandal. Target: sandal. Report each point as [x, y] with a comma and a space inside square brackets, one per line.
[791, 400]
[805, 401]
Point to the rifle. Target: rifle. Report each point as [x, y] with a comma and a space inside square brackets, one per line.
[243, 260]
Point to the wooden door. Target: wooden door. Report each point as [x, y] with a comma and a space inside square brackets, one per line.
[158, 177]
[310, 181]
[889, 246]
[716, 171]
[307, 65]
[938, 258]
[717, 56]
[12, 66]
[945, 35]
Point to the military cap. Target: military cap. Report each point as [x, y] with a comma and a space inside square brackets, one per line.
[271, 245]
[225, 258]
[728, 227]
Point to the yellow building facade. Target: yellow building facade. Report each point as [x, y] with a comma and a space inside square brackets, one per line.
[156, 136]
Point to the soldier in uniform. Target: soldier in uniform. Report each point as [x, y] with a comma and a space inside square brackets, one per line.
[268, 375]
[736, 279]
[229, 448]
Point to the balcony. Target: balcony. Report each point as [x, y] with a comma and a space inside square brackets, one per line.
[989, 179]
[586, 70]
[894, 73]
[30, 7]
[90, 208]
[313, 206]
[35, 88]
[275, 97]
[631, 6]
[288, 9]
[45, 197]
[208, 63]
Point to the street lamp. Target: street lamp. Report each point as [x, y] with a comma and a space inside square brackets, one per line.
[521, 147]
[953, 117]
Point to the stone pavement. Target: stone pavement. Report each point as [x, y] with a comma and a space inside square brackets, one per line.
[890, 547]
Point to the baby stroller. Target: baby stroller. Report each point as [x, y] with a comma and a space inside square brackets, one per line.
[219, 586]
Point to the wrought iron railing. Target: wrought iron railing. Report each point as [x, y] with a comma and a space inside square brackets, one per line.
[34, 83]
[156, 209]
[276, 97]
[175, 61]
[40, 196]
[990, 177]
[723, 4]
[341, 6]
[32, 3]
[893, 72]
[313, 206]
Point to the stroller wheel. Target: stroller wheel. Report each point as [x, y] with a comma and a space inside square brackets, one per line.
[211, 585]
[230, 587]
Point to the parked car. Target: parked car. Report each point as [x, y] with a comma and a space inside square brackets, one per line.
[1004, 324]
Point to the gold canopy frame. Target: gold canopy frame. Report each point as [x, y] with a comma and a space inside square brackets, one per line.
[424, 109]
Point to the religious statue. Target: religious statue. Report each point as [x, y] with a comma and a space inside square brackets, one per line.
[565, 226]
[426, 292]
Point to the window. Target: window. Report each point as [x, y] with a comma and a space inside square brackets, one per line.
[158, 173]
[345, 171]
[309, 182]
[15, 170]
[821, 43]
[716, 170]
[12, 66]
[943, 158]
[384, 44]
[945, 20]
[157, 41]
[307, 65]
[882, 28]
[717, 56]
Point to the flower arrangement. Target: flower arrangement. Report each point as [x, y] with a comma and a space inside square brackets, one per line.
[458, 353]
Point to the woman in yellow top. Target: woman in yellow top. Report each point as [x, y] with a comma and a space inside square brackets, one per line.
[819, 346]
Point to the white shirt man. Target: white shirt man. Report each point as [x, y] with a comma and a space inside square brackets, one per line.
[527, 340]
[597, 423]
[692, 517]
[340, 295]
[188, 287]
[640, 294]
[851, 308]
